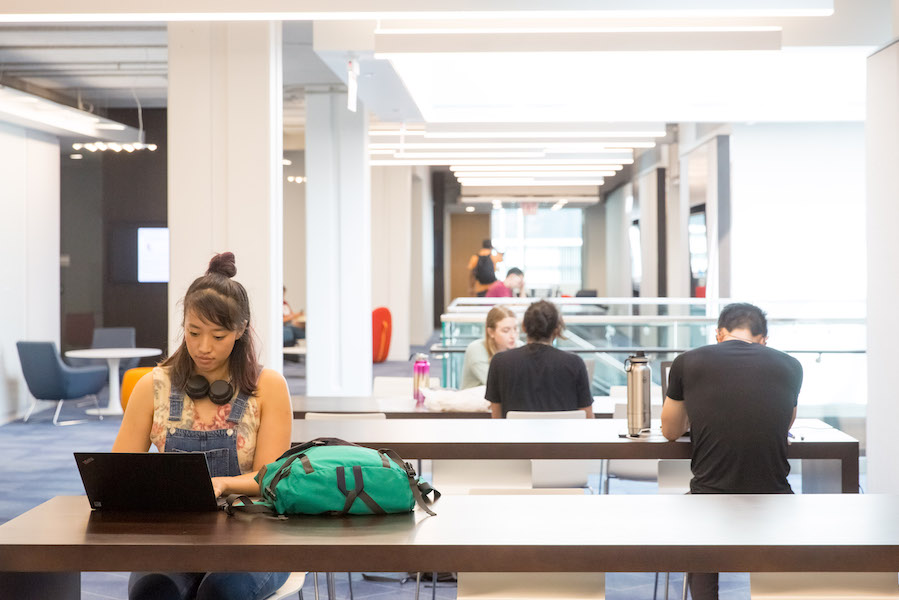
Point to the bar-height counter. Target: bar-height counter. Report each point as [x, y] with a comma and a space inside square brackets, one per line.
[555, 439]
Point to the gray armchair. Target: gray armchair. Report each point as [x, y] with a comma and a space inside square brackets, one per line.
[49, 378]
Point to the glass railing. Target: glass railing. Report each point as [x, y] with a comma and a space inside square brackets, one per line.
[827, 338]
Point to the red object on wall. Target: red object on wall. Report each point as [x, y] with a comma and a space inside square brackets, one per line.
[381, 325]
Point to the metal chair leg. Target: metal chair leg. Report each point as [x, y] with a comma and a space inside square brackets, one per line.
[56, 420]
[417, 584]
[97, 406]
[350, 582]
[686, 579]
[30, 409]
[655, 587]
[332, 591]
[667, 577]
[315, 584]
[434, 586]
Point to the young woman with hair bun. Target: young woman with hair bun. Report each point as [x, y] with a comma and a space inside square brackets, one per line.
[211, 395]
[537, 376]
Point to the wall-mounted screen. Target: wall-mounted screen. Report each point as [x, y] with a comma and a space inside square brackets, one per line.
[152, 254]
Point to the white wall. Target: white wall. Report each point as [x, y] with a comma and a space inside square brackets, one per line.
[29, 244]
[421, 288]
[798, 211]
[883, 256]
[391, 248]
[647, 194]
[618, 257]
[594, 257]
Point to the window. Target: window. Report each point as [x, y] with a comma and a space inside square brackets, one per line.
[545, 245]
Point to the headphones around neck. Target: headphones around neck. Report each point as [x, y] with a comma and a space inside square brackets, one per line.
[219, 391]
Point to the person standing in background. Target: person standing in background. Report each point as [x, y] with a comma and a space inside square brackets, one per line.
[482, 269]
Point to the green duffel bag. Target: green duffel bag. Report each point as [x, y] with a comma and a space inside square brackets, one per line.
[331, 476]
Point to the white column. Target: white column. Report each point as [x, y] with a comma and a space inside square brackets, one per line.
[391, 251]
[882, 152]
[29, 243]
[338, 247]
[224, 154]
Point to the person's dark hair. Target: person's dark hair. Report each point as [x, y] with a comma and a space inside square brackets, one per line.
[740, 315]
[487, 244]
[218, 299]
[542, 321]
[515, 271]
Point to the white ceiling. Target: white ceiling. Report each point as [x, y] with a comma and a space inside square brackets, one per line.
[726, 68]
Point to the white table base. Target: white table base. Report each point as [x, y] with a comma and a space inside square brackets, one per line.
[114, 406]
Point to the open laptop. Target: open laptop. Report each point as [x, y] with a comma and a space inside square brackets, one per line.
[158, 481]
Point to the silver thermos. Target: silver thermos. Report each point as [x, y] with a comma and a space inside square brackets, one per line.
[638, 381]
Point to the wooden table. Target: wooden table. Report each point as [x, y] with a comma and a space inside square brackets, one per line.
[112, 356]
[839, 532]
[554, 439]
[403, 408]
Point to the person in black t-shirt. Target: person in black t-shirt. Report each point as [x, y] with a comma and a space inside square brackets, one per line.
[538, 377]
[738, 399]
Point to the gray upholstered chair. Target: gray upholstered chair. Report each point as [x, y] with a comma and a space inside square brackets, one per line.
[49, 378]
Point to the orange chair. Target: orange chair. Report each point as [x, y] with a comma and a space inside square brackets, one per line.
[129, 380]
[381, 324]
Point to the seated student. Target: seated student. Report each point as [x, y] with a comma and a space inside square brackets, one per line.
[500, 333]
[506, 288]
[537, 376]
[294, 323]
[211, 394]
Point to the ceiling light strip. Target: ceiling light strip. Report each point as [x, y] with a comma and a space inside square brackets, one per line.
[560, 146]
[391, 46]
[483, 161]
[534, 174]
[512, 168]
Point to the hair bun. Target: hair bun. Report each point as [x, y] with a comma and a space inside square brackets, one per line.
[222, 264]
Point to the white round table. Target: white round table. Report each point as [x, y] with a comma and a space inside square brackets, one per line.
[112, 356]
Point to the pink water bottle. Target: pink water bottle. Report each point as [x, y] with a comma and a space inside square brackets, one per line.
[421, 378]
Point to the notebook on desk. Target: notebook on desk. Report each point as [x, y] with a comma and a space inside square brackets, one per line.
[168, 481]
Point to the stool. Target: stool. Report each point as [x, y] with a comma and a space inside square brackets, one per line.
[132, 376]
[824, 586]
[293, 585]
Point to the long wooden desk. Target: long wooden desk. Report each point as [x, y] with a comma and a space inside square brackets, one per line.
[837, 532]
[404, 408]
[553, 439]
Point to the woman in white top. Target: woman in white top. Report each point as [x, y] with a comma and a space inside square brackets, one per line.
[501, 333]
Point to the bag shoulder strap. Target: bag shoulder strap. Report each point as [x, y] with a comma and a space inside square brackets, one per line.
[420, 489]
[247, 506]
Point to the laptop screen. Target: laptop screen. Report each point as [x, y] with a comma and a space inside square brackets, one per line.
[168, 481]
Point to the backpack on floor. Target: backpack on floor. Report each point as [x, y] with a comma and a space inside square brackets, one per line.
[485, 270]
[331, 476]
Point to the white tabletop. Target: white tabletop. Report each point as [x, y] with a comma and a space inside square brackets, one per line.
[106, 353]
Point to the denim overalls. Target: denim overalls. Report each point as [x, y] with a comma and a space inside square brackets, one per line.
[220, 445]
